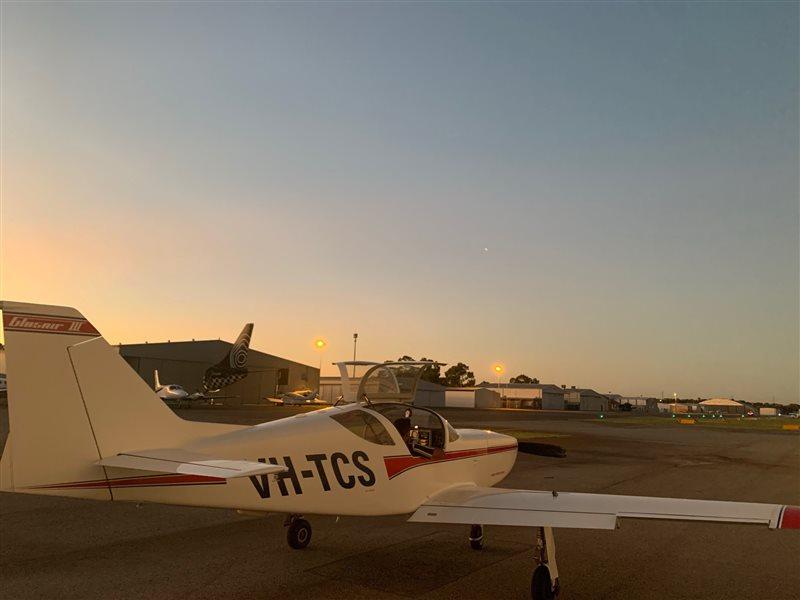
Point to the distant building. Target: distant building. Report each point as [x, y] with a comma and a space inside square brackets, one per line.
[529, 395]
[472, 397]
[685, 408]
[430, 394]
[587, 399]
[184, 363]
[641, 404]
[723, 406]
[330, 389]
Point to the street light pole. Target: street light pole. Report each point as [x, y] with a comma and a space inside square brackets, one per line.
[355, 341]
[320, 345]
[499, 369]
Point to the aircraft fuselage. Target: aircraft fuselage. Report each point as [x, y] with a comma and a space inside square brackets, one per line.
[331, 470]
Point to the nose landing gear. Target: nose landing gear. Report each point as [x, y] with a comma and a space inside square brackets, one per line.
[298, 532]
[476, 537]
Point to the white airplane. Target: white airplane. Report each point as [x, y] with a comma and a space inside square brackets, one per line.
[302, 397]
[172, 391]
[371, 455]
[229, 370]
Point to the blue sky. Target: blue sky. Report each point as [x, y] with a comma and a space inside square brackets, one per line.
[174, 170]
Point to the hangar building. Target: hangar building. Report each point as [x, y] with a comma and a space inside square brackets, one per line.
[184, 363]
[529, 395]
[640, 403]
[727, 406]
[586, 399]
[473, 397]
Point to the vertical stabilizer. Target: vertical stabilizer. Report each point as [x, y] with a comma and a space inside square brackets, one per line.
[233, 367]
[57, 444]
[72, 401]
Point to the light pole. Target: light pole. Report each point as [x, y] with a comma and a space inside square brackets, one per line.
[355, 341]
[320, 344]
[499, 369]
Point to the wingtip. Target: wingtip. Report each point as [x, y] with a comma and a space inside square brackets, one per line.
[790, 518]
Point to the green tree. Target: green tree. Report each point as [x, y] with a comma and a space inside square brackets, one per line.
[523, 379]
[459, 375]
[405, 371]
[433, 373]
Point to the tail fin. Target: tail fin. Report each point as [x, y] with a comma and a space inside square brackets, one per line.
[73, 400]
[157, 384]
[233, 366]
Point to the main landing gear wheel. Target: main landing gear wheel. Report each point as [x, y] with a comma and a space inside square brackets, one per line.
[476, 537]
[541, 585]
[544, 582]
[298, 533]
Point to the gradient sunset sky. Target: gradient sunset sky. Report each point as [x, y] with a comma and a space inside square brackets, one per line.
[596, 194]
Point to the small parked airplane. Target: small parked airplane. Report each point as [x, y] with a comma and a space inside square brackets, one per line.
[302, 397]
[373, 454]
[171, 391]
[227, 371]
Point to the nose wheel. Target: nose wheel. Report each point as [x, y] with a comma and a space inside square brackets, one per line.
[298, 532]
[476, 537]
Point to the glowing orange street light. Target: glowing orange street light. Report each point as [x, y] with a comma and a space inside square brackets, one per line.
[499, 369]
[320, 344]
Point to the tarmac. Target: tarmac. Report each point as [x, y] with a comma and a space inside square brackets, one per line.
[65, 548]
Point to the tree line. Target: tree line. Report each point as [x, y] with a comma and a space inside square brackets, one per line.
[458, 375]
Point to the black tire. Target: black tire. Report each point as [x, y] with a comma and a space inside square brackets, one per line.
[299, 534]
[540, 584]
[476, 537]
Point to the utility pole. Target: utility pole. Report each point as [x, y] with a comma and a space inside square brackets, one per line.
[355, 342]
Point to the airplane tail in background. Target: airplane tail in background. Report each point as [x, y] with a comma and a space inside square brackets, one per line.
[157, 384]
[233, 367]
[72, 401]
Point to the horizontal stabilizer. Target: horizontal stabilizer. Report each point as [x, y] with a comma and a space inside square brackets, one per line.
[529, 508]
[173, 460]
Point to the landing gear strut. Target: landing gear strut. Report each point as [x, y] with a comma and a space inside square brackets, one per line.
[476, 537]
[544, 582]
[298, 532]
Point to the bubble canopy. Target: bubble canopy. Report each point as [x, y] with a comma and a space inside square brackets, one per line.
[381, 382]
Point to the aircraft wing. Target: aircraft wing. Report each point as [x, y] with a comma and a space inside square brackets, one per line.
[496, 506]
[174, 460]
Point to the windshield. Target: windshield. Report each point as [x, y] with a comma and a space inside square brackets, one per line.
[365, 426]
[418, 426]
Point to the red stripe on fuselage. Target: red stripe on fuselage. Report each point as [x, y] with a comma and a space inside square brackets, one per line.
[399, 464]
[145, 481]
[790, 519]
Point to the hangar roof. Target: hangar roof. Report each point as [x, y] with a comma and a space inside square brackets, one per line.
[721, 402]
[202, 351]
